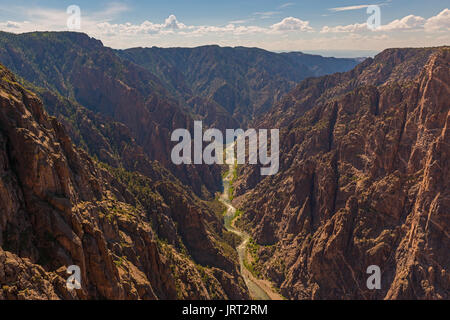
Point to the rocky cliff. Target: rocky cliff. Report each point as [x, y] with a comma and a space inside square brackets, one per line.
[364, 180]
[363, 173]
[83, 72]
[58, 207]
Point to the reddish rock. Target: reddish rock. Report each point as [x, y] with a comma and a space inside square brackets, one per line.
[364, 180]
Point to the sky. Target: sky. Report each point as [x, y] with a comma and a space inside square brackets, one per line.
[327, 27]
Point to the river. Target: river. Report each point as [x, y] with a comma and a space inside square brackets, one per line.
[259, 289]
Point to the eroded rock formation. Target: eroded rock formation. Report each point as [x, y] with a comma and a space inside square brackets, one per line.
[58, 207]
[364, 180]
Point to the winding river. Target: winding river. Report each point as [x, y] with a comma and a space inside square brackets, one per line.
[259, 289]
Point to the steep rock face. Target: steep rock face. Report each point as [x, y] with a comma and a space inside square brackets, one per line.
[59, 208]
[392, 65]
[81, 69]
[182, 218]
[364, 180]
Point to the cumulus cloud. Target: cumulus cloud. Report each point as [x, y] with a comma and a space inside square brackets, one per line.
[440, 22]
[357, 27]
[172, 25]
[228, 29]
[292, 24]
[406, 23]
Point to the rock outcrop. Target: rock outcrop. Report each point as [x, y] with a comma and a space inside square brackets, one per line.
[58, 207]
[83, 72]
[364, 180]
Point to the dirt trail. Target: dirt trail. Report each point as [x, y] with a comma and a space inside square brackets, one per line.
[259, 289]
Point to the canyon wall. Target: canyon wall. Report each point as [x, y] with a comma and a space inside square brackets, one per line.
[364, 180]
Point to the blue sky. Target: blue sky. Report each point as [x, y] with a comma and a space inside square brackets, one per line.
[303, 25]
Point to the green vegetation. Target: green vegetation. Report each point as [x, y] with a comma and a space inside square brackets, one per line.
[231, 193]
[225, 174]
[251, 267]
[140, 186]
[120, 261]
[253, 250]
[231, 188]
[218, 208]
[231, 239]
[227, 249]
[209, 282]
[238, 214]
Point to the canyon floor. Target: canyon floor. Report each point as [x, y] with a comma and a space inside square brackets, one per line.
[259, 289]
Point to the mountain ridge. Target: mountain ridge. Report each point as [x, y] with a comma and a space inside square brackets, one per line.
[244, 81]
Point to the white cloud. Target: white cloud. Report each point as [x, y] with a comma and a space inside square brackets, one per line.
[10, 25]
[172, 23]
[441, 22]
[48, 19]
[339, 9]
[291, 24]
[241, 21]
[352, 28]
[361, 6]
[406, 23]
[230, 29]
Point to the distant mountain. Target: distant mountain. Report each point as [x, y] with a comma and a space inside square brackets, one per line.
[364, 180]
[243, 82]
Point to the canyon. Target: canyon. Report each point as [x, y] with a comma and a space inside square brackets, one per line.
[86, 176]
